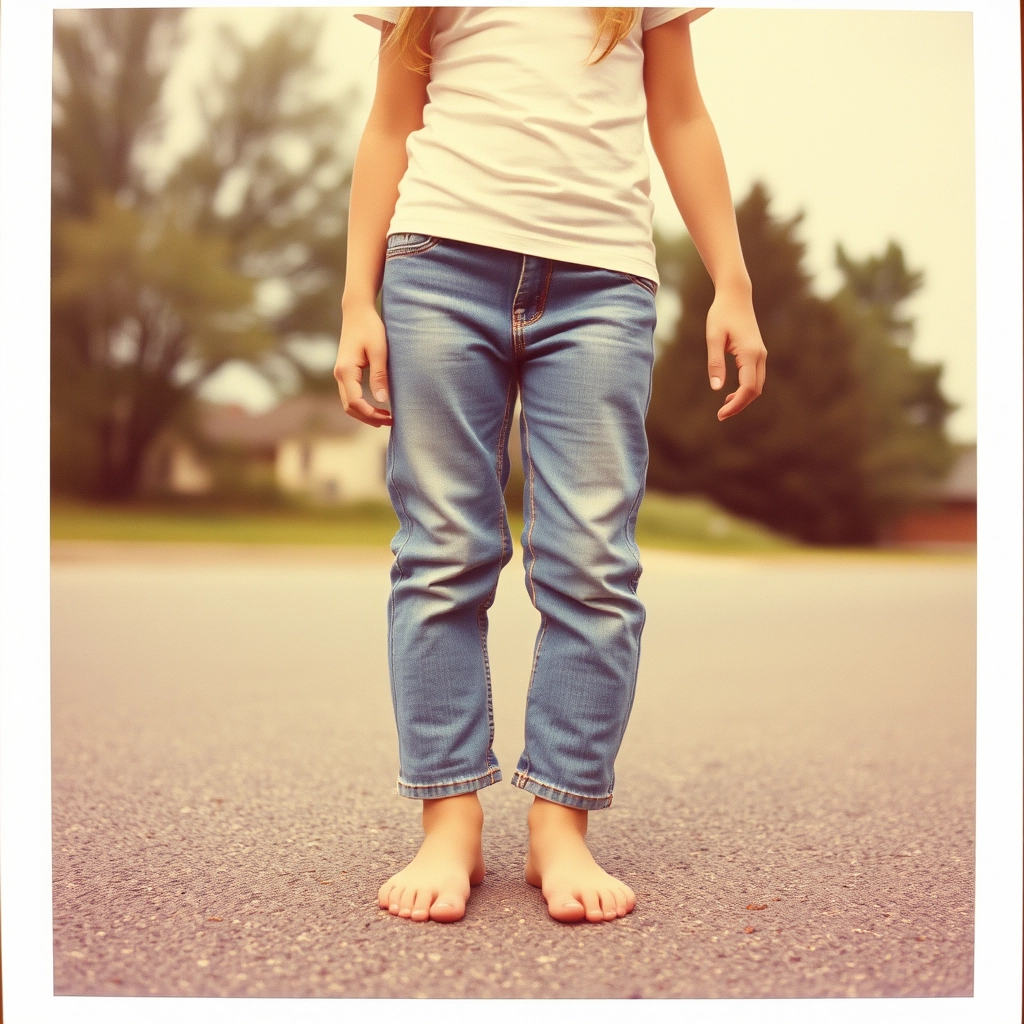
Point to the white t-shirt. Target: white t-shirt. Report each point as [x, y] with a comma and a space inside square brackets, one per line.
[525, 148]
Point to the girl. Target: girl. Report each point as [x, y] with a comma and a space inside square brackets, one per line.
[500, 197]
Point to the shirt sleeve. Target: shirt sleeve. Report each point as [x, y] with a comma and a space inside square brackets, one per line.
[376, 17]
[655, 16]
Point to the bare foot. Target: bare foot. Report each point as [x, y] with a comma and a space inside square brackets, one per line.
[437, 881]
[560, 865]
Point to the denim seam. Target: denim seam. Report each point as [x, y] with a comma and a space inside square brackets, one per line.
[493, 770]
[521, 777]
[411, 250]
[401, 577]
[533, 561]
[486, 603]
[518, 341]
[519, 344]
[533, 510]
[542, 304]
[645, 283]
[636, 578]
[633, 547]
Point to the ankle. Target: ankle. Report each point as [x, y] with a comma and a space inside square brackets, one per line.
[546, 815]
[462, 811]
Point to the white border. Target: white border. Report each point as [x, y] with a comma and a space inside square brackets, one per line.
[25, 103]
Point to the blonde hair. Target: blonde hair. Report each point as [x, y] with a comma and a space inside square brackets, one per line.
[407, 37]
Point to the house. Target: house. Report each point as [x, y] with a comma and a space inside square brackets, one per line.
[952, 518]
[306, 445]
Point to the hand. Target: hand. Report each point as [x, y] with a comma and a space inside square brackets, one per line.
[363, 343]
[732, 328]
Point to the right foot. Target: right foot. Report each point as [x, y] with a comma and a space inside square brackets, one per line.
[575, 886]
[436, 883]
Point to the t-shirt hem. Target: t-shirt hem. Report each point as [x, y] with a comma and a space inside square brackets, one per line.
[528, 245]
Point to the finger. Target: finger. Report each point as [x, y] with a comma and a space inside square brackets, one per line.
[744, 394]
[361, 410]
[369, 414]
[716, 357]
[737, 401]
[761, 372]
[379, 373]
[351, 380]
[350, 387]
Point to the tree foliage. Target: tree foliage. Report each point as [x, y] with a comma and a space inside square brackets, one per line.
[158, 283]
[848, 427]
[270, 176]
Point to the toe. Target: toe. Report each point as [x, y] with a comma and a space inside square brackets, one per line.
[608, 905]
[628, 898]
[592, 904]
[449, 906]
[621, 904]
[406, 902]
[395, 898]
[564, 906]
[421, 905]
[384, 895]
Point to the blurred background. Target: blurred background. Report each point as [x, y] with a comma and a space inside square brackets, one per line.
[201, 163]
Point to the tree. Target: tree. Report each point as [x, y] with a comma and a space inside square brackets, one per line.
[157, 284]
[807, 458]
[270, 177]
[907, 448]
[109, 70]
[147, 300]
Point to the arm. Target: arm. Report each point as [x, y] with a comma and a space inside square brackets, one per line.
[379, 165]
[687, 148]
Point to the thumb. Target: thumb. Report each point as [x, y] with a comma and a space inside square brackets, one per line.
[379, 373]
[716, 357]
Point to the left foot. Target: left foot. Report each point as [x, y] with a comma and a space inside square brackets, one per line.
[574, 885]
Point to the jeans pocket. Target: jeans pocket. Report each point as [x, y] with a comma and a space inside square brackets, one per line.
[645, 282]
[407, 244]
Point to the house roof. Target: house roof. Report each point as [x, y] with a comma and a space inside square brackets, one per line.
[315, 415]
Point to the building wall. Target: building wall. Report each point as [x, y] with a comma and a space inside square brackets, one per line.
[952, 523]
[335, 468]
[171, 465]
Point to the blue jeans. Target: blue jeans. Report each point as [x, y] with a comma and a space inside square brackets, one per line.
[469, 326]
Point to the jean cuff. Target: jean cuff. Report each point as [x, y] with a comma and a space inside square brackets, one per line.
[437, 790]
[560, 796]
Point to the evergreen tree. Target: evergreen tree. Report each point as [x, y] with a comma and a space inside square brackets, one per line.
[831, 448]
[157, 285]
[907, 448]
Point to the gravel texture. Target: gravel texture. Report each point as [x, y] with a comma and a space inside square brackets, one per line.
[794, 804]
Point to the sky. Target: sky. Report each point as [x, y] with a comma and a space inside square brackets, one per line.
[863, 120]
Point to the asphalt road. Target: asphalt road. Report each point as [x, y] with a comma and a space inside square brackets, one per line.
[794, 803]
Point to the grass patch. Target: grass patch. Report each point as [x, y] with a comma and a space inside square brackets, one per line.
[688, 524]
[696, 524]
[366, 523]
[665, 521]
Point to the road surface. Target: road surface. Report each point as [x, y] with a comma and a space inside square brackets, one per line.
[794, 804]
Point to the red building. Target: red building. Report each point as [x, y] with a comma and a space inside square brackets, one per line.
[952, 519]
